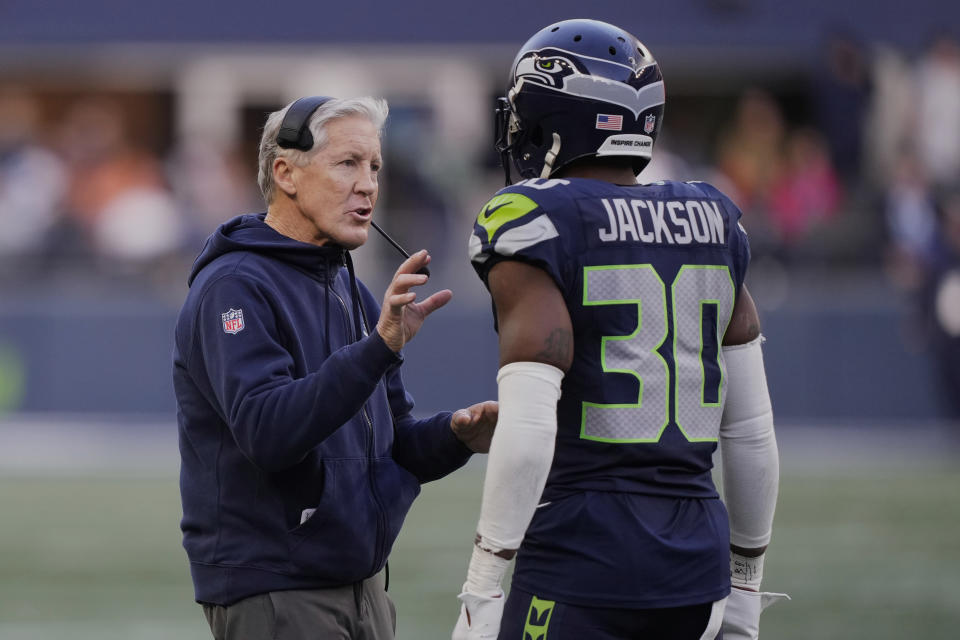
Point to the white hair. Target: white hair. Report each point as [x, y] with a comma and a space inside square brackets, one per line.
[374, 109]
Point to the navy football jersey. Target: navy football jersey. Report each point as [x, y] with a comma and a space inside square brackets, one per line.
[650, 276]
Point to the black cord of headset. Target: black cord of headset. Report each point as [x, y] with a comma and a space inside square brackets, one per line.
[422, 271]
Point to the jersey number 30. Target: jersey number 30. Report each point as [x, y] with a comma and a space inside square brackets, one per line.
[701, 300]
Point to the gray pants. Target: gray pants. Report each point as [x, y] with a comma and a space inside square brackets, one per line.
[362, 611]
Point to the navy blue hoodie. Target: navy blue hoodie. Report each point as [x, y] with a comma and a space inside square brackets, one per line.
[286, 404]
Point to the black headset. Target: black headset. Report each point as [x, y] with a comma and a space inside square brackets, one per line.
[295, 129]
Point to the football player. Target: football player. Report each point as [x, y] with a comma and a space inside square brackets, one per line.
[629, 348]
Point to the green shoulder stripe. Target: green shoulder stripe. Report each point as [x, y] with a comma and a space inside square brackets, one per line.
[503, 209]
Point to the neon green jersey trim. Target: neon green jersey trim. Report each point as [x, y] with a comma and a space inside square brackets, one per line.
[502, 209]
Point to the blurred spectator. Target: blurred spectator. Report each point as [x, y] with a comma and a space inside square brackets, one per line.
[841, 93]
[807, 191]
[118, 199]
[938, 111]
[911, 220]
[891, 118]
[749, 158]
[32, 183]
[749, 152]
[210, 184]
[943, 300]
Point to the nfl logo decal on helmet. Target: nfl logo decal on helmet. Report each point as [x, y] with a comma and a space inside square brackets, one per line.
[232, 321]
[649, 123]
[567, 76]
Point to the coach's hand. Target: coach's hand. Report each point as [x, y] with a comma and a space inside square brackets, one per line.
[475, 424]
[400, 316]
[741, 616]
[479, 617]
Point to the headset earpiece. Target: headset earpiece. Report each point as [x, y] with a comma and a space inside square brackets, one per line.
[294, 130]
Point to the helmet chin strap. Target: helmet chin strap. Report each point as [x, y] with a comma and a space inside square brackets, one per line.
[551, 157]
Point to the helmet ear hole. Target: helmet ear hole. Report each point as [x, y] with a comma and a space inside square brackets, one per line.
[536, 136]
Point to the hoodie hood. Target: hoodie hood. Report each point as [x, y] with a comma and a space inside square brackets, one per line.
[250, 233]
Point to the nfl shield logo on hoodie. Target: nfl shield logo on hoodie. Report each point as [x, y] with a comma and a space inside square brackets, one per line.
[232, 321]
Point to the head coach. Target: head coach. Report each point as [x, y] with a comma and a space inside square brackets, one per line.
[299, 453]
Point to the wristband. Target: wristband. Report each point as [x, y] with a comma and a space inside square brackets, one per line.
[746, 573]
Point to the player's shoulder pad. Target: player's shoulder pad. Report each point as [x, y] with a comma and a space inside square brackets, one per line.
[518, 219]
[514, 205]
[506, 206]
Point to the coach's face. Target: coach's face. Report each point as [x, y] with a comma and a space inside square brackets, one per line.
[337, 189]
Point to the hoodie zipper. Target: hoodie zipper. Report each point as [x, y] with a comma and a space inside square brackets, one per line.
[381, 526]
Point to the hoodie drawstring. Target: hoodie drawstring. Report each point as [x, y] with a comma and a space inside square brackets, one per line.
[357, 310]
[326, 316]
[354, 297]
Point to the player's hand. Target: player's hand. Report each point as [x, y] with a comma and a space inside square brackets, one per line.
[475, 424]
[400, 316]
[479, 616]
[741, 617]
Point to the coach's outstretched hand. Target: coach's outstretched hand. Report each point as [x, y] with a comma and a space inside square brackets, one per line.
[475, 424]
[400, 316]
[479, 616]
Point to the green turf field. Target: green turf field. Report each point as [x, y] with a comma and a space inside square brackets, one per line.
[864, 556]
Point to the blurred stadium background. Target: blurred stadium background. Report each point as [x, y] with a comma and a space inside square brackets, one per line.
[128, 131]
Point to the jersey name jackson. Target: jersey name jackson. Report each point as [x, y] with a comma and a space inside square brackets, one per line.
[679, 222]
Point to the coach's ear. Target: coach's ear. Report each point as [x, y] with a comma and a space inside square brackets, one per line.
[283, 175]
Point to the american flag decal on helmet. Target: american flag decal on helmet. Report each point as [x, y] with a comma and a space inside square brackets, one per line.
[232, 321]
[614, 123]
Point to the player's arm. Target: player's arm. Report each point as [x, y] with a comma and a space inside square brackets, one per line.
[534, 323]
[751, 468]
[751, 479]
[744, 324]
[536, 349]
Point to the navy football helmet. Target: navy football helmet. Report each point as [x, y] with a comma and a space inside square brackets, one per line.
[579, 88]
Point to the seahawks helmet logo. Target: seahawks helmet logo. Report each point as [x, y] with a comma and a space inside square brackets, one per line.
[565, 72]
[547, 66]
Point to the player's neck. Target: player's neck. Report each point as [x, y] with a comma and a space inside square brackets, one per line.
[616, 174]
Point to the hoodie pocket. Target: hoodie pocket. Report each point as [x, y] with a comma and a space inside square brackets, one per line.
[354, 526]
[338, 542]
